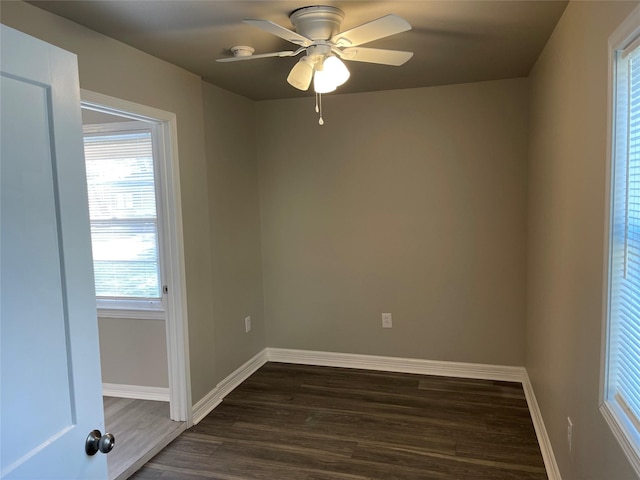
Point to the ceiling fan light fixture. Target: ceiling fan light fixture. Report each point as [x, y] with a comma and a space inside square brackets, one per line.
[301, 74]
[336, 69]
[317, 31]
[323, 82]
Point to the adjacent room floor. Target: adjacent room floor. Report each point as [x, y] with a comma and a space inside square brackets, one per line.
[321, 423]
[141, 429]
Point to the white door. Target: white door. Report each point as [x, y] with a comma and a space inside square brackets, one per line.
[50, 388]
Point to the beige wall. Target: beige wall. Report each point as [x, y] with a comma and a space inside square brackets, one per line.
[113, 68]
[133, 352]
[232, 175]
[568, 150]
[411, 202]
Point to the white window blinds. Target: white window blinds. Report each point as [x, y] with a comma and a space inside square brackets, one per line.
[624, 328]
[122, 207]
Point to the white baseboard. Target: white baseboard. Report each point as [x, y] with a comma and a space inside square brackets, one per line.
[395, 364]
[212, 399]
[388, 364]
[139, 392]
[553, 472]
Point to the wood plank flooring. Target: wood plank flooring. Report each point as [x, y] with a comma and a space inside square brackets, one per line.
[294, 422]
[142, 428]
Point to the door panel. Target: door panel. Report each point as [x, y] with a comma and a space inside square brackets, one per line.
[50, 374]
[29, 236]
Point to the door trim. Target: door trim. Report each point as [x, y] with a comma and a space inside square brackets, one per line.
[176, 309]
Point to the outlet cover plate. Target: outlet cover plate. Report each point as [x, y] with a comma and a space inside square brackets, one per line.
[387, 321]
[247, 324]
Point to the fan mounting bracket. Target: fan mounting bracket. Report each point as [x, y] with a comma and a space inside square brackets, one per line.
[242, 51]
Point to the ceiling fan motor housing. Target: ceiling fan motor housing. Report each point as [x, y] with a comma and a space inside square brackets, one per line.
[318, 22]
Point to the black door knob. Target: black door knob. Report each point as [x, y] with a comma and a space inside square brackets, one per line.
[96, 442]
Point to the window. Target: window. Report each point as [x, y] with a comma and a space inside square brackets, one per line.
[621, 389]
[123, 212]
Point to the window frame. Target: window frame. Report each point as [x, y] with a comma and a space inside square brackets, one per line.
[621, 424]
[126, 307]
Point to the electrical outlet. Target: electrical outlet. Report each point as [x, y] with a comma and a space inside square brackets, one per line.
[569, 432]
[387, 322]
[247, 324]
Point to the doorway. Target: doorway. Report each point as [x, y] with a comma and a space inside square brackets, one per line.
[139, 271]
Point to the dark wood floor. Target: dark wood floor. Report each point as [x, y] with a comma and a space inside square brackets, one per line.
[297, 422]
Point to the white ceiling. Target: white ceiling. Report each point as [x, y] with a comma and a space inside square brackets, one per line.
[453, 41]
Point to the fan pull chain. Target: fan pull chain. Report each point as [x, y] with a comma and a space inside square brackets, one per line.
[319, 107]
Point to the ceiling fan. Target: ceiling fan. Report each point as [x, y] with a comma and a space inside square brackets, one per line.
[317, 33]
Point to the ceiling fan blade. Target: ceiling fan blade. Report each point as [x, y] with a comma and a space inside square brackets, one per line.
[279, 31]
[370, 31]
[260, 55]
[375, 55]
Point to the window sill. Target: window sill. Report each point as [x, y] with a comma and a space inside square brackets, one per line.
[624, 432]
